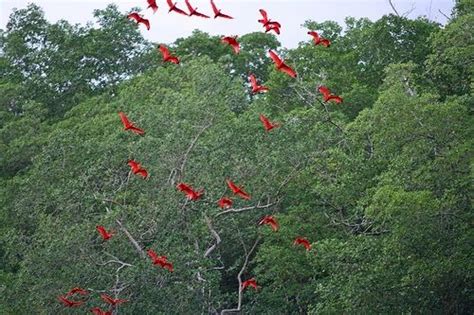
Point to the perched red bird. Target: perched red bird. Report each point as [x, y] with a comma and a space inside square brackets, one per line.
[137, 169]
[152, 4]
[174, 8]
[167, 57]
[238, 190]
[255, 87]
[232, 41]
[99, 311]
[108, 299]
[267, 124]
[160, 260]
[130, 126]
[328, 96]
[218, 13]
[318, 40]
[302, 241]
[281, 66]
[193, 11]
[225, 202]
[190, 193]
[249, 283]
[139, 19]
[69, 303]
[77, 290]
[270, 220]
[106, 235]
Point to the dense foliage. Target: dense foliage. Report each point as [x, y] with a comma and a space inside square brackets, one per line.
[380, 184]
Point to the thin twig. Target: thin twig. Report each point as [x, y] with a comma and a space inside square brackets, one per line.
[215, 234]
[258, 206]
[132, 240]
[393, 7]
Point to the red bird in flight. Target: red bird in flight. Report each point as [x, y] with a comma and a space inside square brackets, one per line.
[160, 260]
[281, 66]
[99, 311]
[302, 241]
[218, 13]
[193, 11]
[232, 41]
[225, 203]
[69, 303]
[174, 8]
[255, 87]
[130, 126]
[108, 299]
[167, 57]
[271, 221]
[77, 290]
[269, 24]
[318, 40]
[267, 124]
[137, 169]
[238, 190]
[190, 193]
[249, 283]
[139, 19]
[328, 96]
[152, 4]
[106, 235]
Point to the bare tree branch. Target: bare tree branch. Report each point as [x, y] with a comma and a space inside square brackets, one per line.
[216, 236]
[132, 240]
[258, 206]
[239, 278]
[393, 7]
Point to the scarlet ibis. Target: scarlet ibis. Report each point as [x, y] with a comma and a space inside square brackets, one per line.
[255, 87]
[328, 96]
[167, 57]
[218, 13]
[108, 299]
[160, 260]
[225, 202]
[137, 169]
[189, 192]
[237, 190]
[267, 124]
[250, 283]
[152, 5]
[318, 40]
[174, 8]
[139, 19]
[106, 235]
[271, 221]
[281, 66]
[193, 11]
[77, 290]
[302, 241]
[130, 126]
[99, 311]
[232, 41]
[69, 303]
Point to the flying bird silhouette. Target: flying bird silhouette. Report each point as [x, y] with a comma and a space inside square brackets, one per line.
[255, 87]
[238, 190]
[272, 26]
[218, 13]
[267, 124]
[281, 66]
[225, 203]
[167, 57]
[160, 260]
[69, 303]
[99, 311]
[302, 241]
[249, 283]
[114, 302]
[130, 126]
[137, 169]
[265, 20]
[327, 96]
[139, 19]
[189, 192]
[193, 11]
[152, 4]
[318, 40]
[271, 221]
[174, 8]
[106, 235]
[232, 41]
[77, 290]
